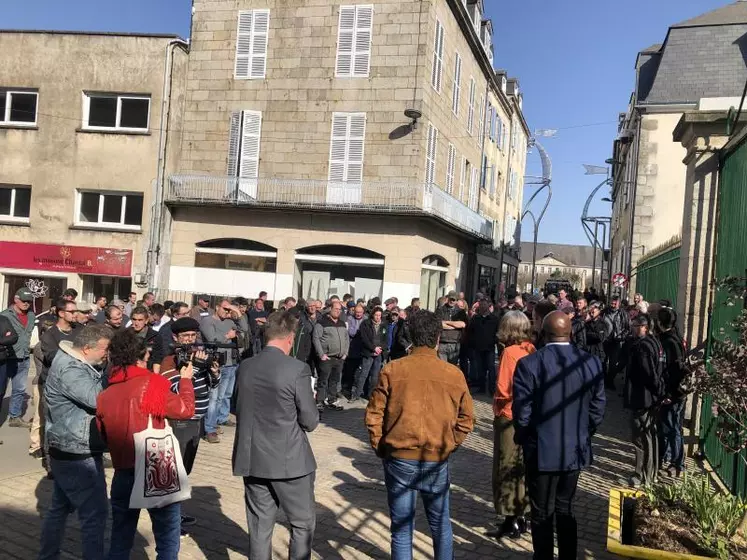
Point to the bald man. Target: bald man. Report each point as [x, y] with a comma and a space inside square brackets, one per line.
[558, 405]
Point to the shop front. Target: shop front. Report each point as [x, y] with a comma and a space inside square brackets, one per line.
[47, 270]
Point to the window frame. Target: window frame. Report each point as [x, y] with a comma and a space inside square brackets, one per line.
[87, 95]
[456, 92]
[438, 57]
[355, 50]
[5, 118]
[12, 218]
[100, 224]
[252, 38]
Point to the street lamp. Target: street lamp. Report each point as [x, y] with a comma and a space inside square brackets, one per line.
[544, 183]
[598, 221]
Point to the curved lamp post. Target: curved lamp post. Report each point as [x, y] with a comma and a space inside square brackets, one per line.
[597, 221]
[544, 184]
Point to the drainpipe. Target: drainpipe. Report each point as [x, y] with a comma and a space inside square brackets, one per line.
[634, 195]
[154, 238]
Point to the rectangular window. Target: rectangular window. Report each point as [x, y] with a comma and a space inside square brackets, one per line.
[354, 33]
[456, 95]
[463, 178]
[18, 107]
[112, 111]
[15, 203]
[438, 57]
[251, 44]
[481, 120]
[243, 144]
[473, 189]
[484, 174]
[471, 108]
[346, 147]
[430, 155]
[450, 165]
[110, 209]
[492, 181]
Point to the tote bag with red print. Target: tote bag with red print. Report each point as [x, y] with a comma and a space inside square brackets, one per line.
[160, 476]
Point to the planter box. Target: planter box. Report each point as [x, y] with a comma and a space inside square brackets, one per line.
[614, 533]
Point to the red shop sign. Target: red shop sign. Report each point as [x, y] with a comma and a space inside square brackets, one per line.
[66, 258]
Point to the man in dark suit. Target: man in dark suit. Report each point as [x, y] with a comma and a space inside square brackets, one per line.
[275, 409]
[558, 405]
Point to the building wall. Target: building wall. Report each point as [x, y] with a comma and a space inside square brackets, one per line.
[404, 243]
[57, 157]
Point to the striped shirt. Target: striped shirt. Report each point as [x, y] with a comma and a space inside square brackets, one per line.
[202, 382]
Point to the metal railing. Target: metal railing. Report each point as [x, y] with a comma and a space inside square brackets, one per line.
[369, 196]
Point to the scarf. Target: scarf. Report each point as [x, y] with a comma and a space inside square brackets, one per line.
[156, 392]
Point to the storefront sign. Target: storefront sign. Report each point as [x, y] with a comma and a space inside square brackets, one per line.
[66, 258]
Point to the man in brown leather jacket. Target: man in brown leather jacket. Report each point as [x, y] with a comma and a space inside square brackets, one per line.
[418, 414]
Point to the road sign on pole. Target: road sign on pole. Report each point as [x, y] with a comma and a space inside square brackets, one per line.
[619, 280]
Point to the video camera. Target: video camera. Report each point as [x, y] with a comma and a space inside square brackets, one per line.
[184, 352]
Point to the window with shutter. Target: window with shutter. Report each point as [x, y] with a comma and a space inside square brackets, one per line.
[251, 44]
[471, 108]
[430, 155]
[243, 150]
[492, 181]
[438, 57]
[463, 179]
[457, 92]
[481, 119]
[346, 153]
[473, 194]
[234, 141]
[450, 165]
[354, 34]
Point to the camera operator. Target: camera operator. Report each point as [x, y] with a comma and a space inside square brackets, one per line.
[206, 377]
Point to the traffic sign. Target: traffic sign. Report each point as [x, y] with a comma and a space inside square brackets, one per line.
[619, 280]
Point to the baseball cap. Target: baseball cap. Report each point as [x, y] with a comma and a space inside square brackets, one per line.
[24, 294]
[452, 294]
[84, 307]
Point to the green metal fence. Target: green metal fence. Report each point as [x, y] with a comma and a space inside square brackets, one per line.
[658, 277]
[731, 260]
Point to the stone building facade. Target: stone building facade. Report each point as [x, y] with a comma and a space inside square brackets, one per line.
[80, 122]
[299, 172]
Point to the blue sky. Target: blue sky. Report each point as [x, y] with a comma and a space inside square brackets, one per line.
[574, 60]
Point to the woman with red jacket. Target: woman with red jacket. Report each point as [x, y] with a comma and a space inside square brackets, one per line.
[134, 393]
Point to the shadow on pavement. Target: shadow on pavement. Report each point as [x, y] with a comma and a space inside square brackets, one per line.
[215, 533]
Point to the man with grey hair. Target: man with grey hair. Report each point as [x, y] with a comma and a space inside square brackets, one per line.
[75, 447]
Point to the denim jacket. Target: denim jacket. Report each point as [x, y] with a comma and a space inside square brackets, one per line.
[70, 394]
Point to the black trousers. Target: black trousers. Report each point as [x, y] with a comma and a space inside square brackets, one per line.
[348, 372]
[644, 427]
[551, 497]
[330, 372]
[188, 434]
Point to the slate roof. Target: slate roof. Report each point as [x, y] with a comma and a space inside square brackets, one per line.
[701, 57]
[732, 13]
[570, 255]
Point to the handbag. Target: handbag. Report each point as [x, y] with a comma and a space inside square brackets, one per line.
[160, 476]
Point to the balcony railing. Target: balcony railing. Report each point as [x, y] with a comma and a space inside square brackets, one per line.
[383, 197]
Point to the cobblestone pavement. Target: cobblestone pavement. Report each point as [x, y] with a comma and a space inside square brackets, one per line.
[352, 520]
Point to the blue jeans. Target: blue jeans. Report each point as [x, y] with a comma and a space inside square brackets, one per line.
[219, 404]
[671, 444]
[166, 521]
[17, 372]
[404, 480]
[78, 485]
[370, 368]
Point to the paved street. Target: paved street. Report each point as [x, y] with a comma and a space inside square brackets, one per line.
[351, 498]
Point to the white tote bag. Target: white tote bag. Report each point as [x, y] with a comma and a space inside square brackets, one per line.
[160, 476]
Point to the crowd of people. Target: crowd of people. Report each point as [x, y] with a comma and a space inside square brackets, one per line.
[102, 372]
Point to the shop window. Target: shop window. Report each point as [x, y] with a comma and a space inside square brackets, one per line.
[18, 107]
[432, 280]
[104, 111]
[15, 203]
[236, 254]
[110, 210]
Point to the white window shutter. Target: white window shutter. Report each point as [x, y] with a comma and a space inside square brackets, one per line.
[438, 57]
[462, 179]
[457, 93]
[356, 142]
[347, 147]
[234, 140]
[243, 44]
[471, 108]
[250, 138]
[430, 154]
[338, 147]
[481, 119]
[450, 164]
[345, 40]
[260, 31]
[363, 35]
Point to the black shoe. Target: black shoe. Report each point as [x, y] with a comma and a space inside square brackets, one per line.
[333, 406]
[188, 520]
[183, 532]
[37, 454]
[510, 528]
[523, 525]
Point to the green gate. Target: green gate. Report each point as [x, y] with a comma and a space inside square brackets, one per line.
[731, 259]
[658, 277]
